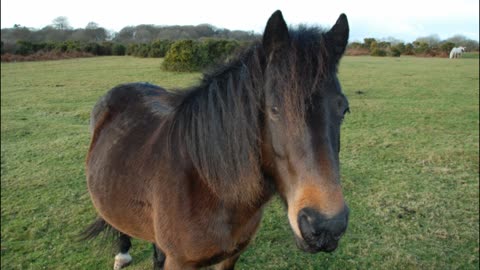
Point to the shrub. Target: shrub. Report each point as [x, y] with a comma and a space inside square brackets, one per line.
[92, 48]
[131, 49]
[39, 47]
[217, 50]
[72, 46]
[184, 55]
[355, 45]
[421, 47]
[189, 55]
[373, 46]
[357, 51]
[447, 47]
[395, 52]
[61, 46]
[50, 46]
[159, 48]
[384, 44]
[399, 47]
[105, 48]
[142, 50]
[118, 49]
[378, 52]
[41, 56]
[24, 47]
[409, 50]
[368, 42]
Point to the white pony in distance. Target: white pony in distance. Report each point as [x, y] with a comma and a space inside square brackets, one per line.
[457, 52]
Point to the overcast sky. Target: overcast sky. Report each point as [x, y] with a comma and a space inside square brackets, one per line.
[402, 19]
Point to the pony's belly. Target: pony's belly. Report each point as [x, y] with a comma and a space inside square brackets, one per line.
[122, 211]
[136, 225]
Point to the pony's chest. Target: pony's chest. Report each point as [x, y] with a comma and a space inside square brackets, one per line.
[223, 239]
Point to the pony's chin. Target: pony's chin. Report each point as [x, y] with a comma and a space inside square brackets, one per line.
[304, 246]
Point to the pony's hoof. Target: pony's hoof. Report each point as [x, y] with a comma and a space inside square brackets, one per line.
[122, 260]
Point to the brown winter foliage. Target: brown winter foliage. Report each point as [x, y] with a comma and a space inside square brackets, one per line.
[41, 56]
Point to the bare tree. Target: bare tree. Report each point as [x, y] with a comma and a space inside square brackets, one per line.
[92, 25]
[61, 23]
[431, 40]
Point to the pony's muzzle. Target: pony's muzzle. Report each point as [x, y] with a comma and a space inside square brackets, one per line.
[320, 233]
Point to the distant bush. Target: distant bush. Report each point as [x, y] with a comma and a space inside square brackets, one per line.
[378, 52]
[142, 50]
[409, 49]
[447, 47]
[24, 47]
[357, 51]
[190, 55]
[118, 49]
[58, 49]
[421, 47]
[42, 56]
[93, 48]
[395, 52]
[368, 42]
[106, 48]
[400, 47]
[159, 48]
[131, 48]
[356, 45]
[384, 44]
[184, 55]
[357, 48]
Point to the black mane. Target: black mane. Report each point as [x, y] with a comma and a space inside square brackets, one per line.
[219, 121]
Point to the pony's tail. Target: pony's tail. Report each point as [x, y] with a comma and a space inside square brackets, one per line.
[96, 228]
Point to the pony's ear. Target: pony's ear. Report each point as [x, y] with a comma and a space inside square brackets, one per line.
[338, 36]
[276, 33]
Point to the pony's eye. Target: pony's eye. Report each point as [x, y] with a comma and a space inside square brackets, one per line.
[274, 110]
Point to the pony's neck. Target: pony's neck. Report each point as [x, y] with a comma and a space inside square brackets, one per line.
[218, 124]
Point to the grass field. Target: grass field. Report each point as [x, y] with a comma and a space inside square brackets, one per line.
[410, 166]
[471, 55]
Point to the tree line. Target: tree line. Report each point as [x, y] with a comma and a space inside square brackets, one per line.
[192, 46]
[60, 31]
[423, 46]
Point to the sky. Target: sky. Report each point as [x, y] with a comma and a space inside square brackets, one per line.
[405, 20]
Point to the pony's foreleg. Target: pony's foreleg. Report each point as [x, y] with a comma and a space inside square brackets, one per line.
[158, 258]
[123, 258]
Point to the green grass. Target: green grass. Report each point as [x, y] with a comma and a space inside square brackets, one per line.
[470, 55]
[410, 155]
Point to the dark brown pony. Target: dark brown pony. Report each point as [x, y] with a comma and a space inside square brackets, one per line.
[191, 171]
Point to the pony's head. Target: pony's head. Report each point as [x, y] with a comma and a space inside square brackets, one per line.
[304, 109]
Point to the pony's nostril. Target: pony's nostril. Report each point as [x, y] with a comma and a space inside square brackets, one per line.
[319, 232]
[314, 226]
